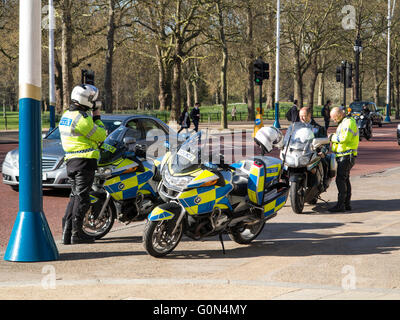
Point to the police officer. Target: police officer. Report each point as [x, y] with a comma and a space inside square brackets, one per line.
[344, 145]
[81, 135]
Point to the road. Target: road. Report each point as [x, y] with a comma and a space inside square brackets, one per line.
[380, 153]
[315, 255]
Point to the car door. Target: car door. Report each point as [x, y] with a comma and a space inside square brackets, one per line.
[374, 115]
[135, 131]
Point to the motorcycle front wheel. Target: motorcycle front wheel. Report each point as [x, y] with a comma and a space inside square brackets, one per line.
[98, 227]
[297, 196]
[245, 234]
[157, 238]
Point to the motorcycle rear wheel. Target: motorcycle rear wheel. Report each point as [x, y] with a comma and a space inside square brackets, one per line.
[297, 197]
[247, 233]
[157, 239]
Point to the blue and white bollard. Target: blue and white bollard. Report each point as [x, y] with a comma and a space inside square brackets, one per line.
[31, 239]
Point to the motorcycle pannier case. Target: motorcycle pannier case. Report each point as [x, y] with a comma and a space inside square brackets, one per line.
[264, 190]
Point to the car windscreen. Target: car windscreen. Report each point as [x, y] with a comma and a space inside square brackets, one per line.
[110, 125]
[357, 106]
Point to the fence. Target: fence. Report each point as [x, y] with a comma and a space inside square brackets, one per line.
[9, 120]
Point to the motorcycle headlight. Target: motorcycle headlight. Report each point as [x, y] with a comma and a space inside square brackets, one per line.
[361, 117]
[180, 182]
[104, 171]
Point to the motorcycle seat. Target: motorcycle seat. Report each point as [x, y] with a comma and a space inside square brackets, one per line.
[239, 185]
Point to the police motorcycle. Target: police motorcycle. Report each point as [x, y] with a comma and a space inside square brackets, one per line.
[364, 124]
[309, 175]
[125, 185]
[206, 197]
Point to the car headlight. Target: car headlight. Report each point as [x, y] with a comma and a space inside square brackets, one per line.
[12, 160]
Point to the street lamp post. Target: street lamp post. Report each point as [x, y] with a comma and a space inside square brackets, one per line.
[278, 30]
[389, 24]
[357, 50]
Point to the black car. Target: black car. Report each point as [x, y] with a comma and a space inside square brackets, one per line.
[398, 134]
[144, 129]
[376, 116]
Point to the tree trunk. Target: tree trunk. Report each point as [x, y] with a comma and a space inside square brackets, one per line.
[313, 81]
[376, 85]
[59, 87]
[224, 91]
[66, 56]
[397, 85]
[176, 89]
[188, 93]
[195, 83]
[108, 92]
[321, 89]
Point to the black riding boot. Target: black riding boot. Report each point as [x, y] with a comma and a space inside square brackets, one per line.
[78, 236]
[67, 231]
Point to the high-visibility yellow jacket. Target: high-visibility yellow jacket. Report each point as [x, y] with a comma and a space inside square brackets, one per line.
[80, 135]
[345, 140]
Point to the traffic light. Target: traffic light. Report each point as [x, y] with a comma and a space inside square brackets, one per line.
[261, 71]
[349, 75]
[339, 74]
[87, 76]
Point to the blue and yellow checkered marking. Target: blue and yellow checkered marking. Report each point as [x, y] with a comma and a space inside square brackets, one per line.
[160, 214]
[127, 185]
[258, 181]
[275, 205]
[204, 199]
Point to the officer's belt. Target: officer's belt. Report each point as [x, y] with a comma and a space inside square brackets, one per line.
[345, 152]
[81, 151]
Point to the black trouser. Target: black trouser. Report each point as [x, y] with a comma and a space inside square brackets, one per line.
[326, 125]
[345, 164]
[81, 173]
[196, 126]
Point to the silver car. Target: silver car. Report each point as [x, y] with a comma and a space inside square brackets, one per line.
[53, 165]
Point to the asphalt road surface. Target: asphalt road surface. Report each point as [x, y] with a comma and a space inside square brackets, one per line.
[380, 153]
[315, 255]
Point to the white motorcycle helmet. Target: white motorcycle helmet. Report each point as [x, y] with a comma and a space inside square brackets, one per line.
[268, 137]
[85, 95]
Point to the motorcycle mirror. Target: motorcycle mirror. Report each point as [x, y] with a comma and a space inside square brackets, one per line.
[317, 142]
[129, 140]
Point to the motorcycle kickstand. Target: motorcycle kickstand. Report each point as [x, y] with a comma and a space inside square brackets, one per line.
[222, 243]
[319, 198]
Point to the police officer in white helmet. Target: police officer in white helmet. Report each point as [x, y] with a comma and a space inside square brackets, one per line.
[81, 131]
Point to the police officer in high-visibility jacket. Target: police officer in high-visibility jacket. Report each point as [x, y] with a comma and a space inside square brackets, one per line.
[81, 133]
[344, 145]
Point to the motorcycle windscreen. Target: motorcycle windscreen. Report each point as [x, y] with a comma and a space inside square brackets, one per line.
[112, 148]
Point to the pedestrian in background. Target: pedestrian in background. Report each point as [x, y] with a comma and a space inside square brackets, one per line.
[184, 120]
[326, 113]
[233, 113]
[293, 113]
[195, 115]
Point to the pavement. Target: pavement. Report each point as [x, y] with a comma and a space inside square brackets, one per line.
[311, 256]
